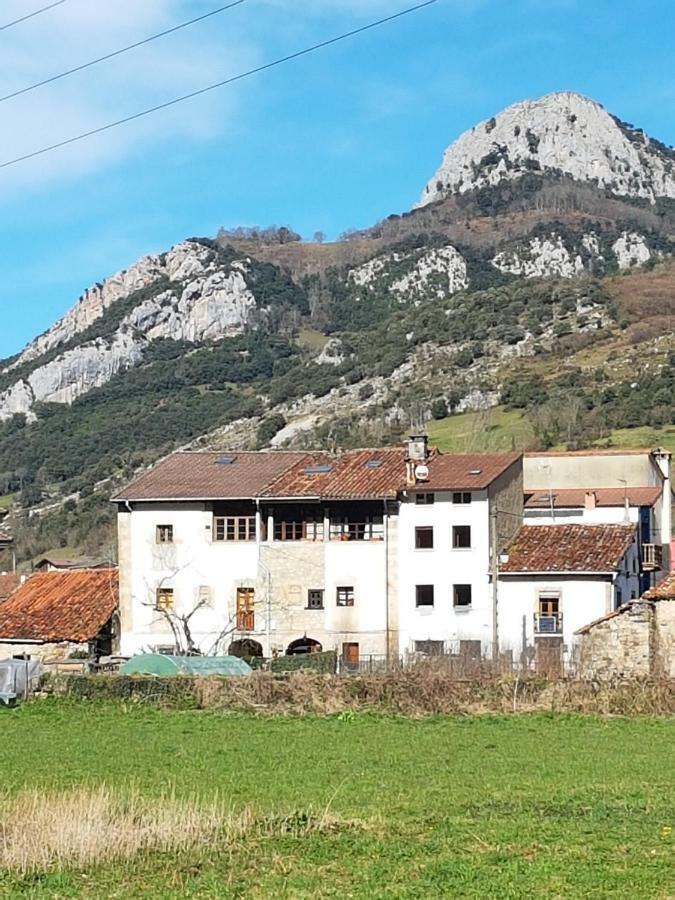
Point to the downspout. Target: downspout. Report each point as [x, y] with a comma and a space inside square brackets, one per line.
[386, 585]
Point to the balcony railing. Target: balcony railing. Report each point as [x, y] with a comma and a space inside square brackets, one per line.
[549, 623]
[652, 557]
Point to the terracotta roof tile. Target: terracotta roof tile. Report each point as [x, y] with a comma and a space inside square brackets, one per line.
[567, 498]
[356, 474]
[664, 590]
[200, 476]
[60, 606]
[568, 548]
[467, 471]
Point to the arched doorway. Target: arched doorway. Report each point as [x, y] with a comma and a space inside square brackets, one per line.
[303, 646]
[246, 649]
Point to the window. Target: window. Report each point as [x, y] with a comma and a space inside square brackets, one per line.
[461, 497]
[345, 596]
[461, 596]
[424, 595]
[372, 529]
[245, 609]
[424, 538]
[461, 537]
[430, 648]
[425, 499]
[164, 534]
[310, 530]
[234, 528]
[549, 604]
[164, 598]
[315, 599]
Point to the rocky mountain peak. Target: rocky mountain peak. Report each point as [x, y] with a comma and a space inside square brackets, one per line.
[563, 132]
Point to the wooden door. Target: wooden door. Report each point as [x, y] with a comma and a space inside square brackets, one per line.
[549, 656]
[245, 609]
[350, 655]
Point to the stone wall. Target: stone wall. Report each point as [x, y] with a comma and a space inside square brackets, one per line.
[47, 653]
[637, 642]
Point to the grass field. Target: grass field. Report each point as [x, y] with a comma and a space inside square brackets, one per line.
[498, 429]
[526, 806]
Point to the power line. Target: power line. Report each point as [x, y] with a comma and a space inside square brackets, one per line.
[32, 15]
[100, 59]
[219, 84]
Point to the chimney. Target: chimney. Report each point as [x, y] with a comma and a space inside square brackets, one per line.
[417, 454]
[590, 500]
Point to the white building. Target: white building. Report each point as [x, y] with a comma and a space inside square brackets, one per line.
[605, 487]
[554, 579]
[370, 553]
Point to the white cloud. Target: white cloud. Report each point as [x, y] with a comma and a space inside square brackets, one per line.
[80, 30]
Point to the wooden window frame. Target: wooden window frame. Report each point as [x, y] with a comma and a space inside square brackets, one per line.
[456, 531]
[234, 529]
[344, 596]
[316, 602]
[164, 534]
[165, 599]
[245, 609]
[461, 498]
[428, 498]
[420, 602]
[308, 530]
[456, 589]
[421, 532]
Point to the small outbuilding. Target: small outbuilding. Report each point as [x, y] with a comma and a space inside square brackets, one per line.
[57, 614]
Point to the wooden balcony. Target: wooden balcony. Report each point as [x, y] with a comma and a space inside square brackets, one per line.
[652, 557]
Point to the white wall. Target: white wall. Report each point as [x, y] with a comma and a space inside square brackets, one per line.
[601, 515]
[443, 567]
[583, 598]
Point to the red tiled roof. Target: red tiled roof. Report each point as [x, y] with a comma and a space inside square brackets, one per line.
[567, 498]
[664, 590]
[60, 606]
[8, 584]
[275, 474]
[568, 548]
[467, 471]
[356, 474]
[200, 476]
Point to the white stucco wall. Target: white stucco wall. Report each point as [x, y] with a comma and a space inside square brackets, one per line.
[444, 567]
[601, 515]
[583, 598]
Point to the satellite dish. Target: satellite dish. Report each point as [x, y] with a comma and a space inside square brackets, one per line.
[421, 473]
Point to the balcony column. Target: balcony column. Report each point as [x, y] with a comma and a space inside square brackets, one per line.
[270, 526]
[326, 524]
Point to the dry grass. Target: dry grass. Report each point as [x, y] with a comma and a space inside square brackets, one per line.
[41, 832]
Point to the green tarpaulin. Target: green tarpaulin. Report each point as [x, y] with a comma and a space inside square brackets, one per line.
[159, 664]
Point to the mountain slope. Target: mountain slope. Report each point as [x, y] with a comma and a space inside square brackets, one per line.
[535, 288]
[562, 132]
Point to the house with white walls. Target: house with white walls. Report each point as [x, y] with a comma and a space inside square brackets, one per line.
[554, 579]
[606, 487]
[374, 553]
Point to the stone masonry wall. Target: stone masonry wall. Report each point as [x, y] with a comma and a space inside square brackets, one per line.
[618, 646]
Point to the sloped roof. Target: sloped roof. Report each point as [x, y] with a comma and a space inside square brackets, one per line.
[467, 471]
[8, 584]
[575, 498]
[664, 590]
[60, 606]
[203, 476]
[356, 474]
[606, 618]
[568, 548]
[85, 562]
[353, 474]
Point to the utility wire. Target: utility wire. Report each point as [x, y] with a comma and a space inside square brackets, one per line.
[212, 87]
[32, 15]
[100, 59]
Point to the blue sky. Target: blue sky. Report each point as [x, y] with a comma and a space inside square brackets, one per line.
[329, 142]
